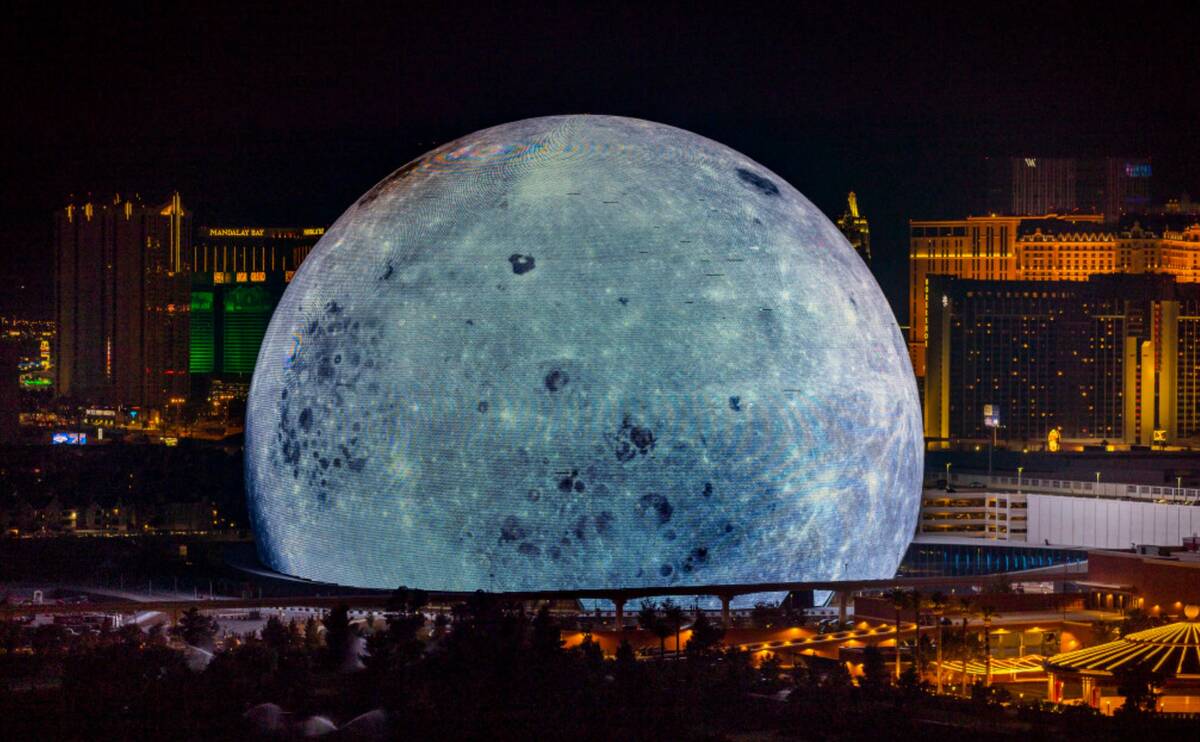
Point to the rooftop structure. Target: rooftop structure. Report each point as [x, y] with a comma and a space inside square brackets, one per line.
[1059, 512]
[1169, 655]
[121, 301]
[1046, 247]
[855, 228]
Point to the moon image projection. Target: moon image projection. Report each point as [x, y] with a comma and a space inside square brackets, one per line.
[582, 352]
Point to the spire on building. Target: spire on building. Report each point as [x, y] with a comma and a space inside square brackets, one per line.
[854, 227]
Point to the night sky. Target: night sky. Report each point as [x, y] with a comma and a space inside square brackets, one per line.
[286, 117]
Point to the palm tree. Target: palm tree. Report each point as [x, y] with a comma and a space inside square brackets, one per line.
[650, 620]
[899, 598]
[965, 609]
[339, 635]
[674, 617]
[917, 602]
[647, 614]
[987, 612]
[705, 634]
[937, 602]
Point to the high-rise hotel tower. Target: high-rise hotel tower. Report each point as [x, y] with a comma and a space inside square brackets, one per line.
[121, 301]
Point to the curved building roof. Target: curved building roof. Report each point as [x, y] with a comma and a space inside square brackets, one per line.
[1173, 649]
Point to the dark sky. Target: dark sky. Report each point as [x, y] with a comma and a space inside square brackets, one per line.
[286, 117]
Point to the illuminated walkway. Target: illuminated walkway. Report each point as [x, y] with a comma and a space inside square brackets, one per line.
[868, 635]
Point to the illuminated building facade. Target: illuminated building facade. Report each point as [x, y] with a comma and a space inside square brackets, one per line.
[121, 301]
[1115, 186]
[34, 340]
[238, 275]
[1114, 358]
[1031, 185]
[1170, 654]
[1112, 186]
[1052, 248]
[854, 226]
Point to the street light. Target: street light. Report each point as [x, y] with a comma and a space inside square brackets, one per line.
[1097, 485]
[1019, 470]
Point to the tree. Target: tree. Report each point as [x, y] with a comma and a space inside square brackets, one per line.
[155, 635]
[706, 635]
[998, 585]
[441, 625]
[673, 615]
[875, 674]
[1139, 686]
[627, 673]
[910, 683]
[546, 638]
[196, 629]
[275, 635]
[380, 657]
[592, 654]
[312, 634]
[988, 613]
[937, 602]
[392, 651]
[10, 636]
[404, 600]
[837, 685]
[338, 635]
[1138, 620]
[965, 609]
[770, 668]
[625, 656]
[650, 620]
[126, 691]
[131, 634]
[917, 603]
[647, 614]
[49, 639]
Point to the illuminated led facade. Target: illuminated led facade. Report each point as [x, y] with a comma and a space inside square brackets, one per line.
[121, 301]
[1114, 358]
[582, 351]
[238, 276]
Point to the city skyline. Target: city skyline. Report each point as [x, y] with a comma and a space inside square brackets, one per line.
[627, 371]
[280, 128]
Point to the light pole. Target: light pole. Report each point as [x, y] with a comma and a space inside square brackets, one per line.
[1019, 470]
[987, 646]
[991, 445]
[1178, 487]
[1097, 485]
[947, 476]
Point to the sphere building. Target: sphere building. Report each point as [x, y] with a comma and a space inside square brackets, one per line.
[582, 352]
